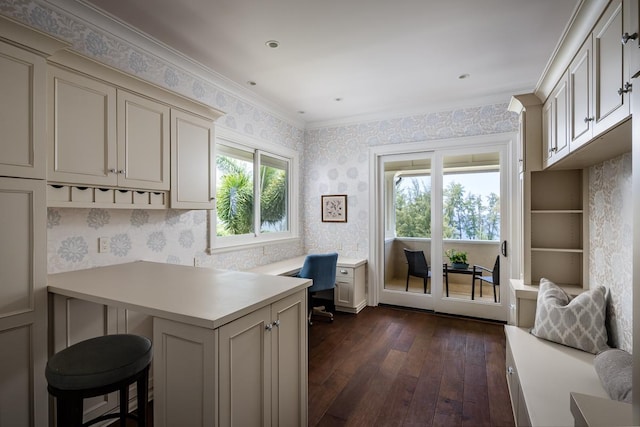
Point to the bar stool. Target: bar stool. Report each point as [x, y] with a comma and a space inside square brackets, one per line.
[99, 366]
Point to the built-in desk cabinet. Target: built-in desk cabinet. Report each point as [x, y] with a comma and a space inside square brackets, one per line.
[349, 293]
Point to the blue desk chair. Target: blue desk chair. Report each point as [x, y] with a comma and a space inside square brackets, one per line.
[321, 268]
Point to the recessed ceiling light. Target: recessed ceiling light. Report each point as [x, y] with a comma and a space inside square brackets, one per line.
[464, 76]
[272, 44]
[251, 83]
[338, 99]
[300, 112]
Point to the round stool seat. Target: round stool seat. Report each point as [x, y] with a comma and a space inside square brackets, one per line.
[98, 362]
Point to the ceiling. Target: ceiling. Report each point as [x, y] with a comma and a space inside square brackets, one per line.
[339, 60]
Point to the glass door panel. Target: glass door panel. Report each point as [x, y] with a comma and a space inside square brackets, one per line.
[407, 223]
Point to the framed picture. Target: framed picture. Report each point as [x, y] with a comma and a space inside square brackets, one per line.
[334, 208]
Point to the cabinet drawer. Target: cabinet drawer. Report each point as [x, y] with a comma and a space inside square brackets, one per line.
[81, 194]
[104, 195]
[344, 274]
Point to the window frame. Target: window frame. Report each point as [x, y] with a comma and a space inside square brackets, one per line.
[258, 148]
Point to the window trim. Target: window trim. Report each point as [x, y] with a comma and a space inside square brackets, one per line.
[231, 138]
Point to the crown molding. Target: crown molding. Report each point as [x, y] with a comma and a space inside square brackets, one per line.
[501, 98]
[93, 17]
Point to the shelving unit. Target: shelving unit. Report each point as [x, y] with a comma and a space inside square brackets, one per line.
[558, 227]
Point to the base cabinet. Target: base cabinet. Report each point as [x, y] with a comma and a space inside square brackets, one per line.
[249, 372]
[350, 292]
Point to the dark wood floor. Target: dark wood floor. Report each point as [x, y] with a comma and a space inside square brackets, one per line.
[393, 367]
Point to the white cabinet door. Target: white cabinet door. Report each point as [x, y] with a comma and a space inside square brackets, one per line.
[263, 366]
[82, 128]
[245, 370]
[22, 113]
[23, 303]
[143, 142]
[631, 18]
[289, 361]
[185, 369]
[193, 162]
[581, 116]
[610, 71]
[555, 115]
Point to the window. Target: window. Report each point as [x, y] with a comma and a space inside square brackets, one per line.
[255, 190]
[471, 205]
[413, 206]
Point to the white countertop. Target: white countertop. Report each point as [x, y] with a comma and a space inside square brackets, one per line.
[292, 265]
[198, 296]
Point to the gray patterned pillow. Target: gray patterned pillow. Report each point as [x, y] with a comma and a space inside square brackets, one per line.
[577, 322]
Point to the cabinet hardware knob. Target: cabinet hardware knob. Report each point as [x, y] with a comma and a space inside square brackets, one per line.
[627, 88]
[510, 370]
[268, 326]
[277, 323]
[343, 271]
[122, 171]
[626, 37]
[113, 171]
[588, 119]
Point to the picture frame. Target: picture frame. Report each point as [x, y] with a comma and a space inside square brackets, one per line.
[334, 208]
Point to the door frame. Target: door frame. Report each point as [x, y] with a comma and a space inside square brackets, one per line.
[505, 143]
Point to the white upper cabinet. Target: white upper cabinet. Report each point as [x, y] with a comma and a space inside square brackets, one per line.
[610, 71]
[143, 142]
[581, 116]
[555, 116]
[22, 113]
[193, 162]
[82, 129]
[631, 36]
[599, 79]
[101, 135]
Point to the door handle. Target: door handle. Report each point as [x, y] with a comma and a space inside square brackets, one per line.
[503, 248]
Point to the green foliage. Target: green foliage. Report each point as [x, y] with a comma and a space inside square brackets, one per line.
[235, 201]
[466, 216]
[413, 210]
[456, 256]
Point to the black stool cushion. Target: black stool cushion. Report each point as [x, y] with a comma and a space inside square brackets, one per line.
[98, 362]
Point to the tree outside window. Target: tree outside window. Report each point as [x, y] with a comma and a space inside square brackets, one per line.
[467, 215]
[238, 197]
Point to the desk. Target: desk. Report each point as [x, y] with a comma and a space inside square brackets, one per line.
[350, 292]
[449, 269]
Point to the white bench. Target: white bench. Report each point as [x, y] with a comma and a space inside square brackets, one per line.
[542, 375]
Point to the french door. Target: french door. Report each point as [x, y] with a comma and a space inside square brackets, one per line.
[434, 197]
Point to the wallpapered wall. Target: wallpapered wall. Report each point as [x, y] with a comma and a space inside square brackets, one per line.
[610, 229]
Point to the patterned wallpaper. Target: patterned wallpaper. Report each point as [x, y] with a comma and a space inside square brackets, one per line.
[610, 236]
[341, 165]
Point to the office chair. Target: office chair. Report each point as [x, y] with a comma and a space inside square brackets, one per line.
[321, 268]
[493, 279]
[417, 267]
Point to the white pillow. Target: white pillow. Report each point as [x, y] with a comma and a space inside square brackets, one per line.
[577, 322]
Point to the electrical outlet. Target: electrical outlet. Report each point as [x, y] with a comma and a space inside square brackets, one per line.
[197, 262]
[104, 245]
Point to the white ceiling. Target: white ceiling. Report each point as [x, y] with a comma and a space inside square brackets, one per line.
[381, 57]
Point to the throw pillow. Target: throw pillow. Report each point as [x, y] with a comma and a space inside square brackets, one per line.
[615, 370]
[577, 322]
